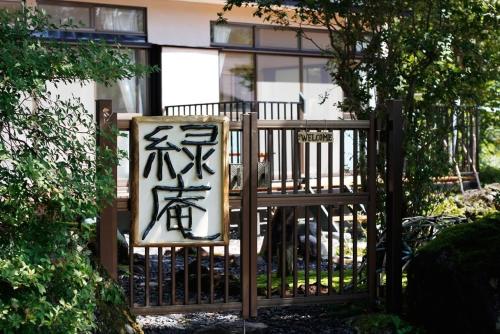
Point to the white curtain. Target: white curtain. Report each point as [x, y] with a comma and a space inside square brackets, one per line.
[119, 19]
[222, 33]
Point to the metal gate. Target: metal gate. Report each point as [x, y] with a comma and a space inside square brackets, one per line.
[302, 224]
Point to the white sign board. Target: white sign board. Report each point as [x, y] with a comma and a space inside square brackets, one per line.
[179, 181]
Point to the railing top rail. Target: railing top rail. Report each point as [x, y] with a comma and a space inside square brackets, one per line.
[314, 124]
[124, 119]
[229, 102]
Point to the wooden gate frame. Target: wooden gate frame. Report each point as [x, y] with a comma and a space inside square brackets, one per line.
[107, 224]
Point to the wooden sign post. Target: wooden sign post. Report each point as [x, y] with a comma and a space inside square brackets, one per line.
[179, 188]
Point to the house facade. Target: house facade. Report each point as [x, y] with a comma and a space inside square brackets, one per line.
[200, 61]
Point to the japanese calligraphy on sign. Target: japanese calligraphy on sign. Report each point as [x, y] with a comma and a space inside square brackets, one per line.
[179, 189]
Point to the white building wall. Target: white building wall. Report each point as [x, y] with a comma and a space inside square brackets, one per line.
[182, 23]
[189, 76]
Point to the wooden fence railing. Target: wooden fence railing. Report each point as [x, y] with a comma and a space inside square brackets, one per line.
[299, 230]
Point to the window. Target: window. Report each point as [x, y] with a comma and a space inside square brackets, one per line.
[119, 19]
[124, 25]
[260, 37]
[10, 5]
[274, 38]
[278, 78]
[74, 15]
[97, 18]
[236, 77]
[315, 41]
[236, 35]
[128, 95]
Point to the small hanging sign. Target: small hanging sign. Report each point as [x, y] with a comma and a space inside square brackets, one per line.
[315, 137]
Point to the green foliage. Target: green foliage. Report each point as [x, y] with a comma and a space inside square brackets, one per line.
[452, 280]
[47, 291]
[447, 206]
[489, 174]
[426, 53]
[464, 242]
[48, 179]
[383, 323]
[472, 204]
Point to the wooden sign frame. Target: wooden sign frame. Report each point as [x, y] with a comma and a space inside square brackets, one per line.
[136, 174]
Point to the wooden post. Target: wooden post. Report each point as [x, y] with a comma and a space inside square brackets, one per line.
[394, 192]
[249, 217]
[254, 135]
[372, 210]
[107, 222]
[245, 217]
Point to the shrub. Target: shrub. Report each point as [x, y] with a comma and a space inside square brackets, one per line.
[382, 323]
[451, 281]
[48, 178]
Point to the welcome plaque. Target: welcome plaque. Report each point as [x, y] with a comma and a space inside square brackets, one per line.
[315, 137]
[179, 188]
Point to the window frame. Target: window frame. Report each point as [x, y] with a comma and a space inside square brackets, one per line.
[92, 7]
[255, 48]
[267, 50]
[238, 46]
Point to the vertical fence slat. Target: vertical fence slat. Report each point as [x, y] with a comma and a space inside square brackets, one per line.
[186, 275]
[226, 273]
[341, 161]
[330, 167]
[283, 161]
[342, 250]
[269, 247]
[372, 203]
[147, 274]
[318, 168]
[330, 246]
[160, 276]
[198, 275]
[295, 160]
[283, 259]
[295, 251]
[173, 261]
[306, 253]
[355, 247]
[212, 269]
[355, 161]
[131, 277]
[318, 250]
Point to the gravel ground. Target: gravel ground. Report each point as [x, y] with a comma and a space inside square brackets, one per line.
[305, 319]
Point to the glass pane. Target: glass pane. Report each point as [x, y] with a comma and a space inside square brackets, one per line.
[315, 41]
[278, 78]
[128, 95]
[363, 44]
[76, 15]
[277, 38]
[232, 35]
[319, 92]
[236, 77]
[119, 19]
[10, 6]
